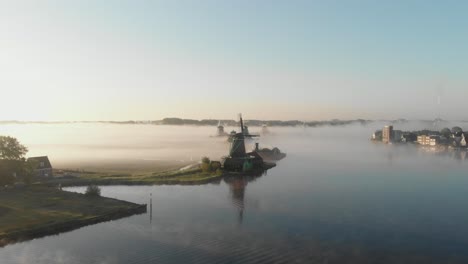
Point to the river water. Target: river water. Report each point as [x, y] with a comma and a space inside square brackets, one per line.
[336, 198]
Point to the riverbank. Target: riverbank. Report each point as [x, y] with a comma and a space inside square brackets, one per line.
[193, 176]
[36, 211]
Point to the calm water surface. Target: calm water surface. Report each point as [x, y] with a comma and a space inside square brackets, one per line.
[336, 198]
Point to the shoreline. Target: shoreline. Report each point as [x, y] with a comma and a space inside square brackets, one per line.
[174, 177]
[23, 219]
[22, 216]
[104, 182]
[55, 229]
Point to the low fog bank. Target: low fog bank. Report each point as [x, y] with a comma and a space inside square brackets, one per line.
[143, 147]
[109, 145]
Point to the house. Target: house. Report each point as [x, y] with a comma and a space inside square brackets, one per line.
[429, 140]
[464, 139]
[423, 139]
[44, 168]
[434, 140]
[460, 140]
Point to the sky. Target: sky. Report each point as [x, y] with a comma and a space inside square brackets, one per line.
[69, 60]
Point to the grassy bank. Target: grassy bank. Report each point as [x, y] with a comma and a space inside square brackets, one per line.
[122, 166]
[153, 173]
[181, 177]
[30, 212]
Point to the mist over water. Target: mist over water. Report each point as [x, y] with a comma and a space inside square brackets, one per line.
[84, 143]
[336, 198]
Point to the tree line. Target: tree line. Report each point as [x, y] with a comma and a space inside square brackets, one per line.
[14, 166]
[254, 122]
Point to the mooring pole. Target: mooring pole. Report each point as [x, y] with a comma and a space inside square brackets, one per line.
[151, 208]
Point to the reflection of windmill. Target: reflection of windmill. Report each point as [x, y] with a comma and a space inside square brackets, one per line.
[237, 187]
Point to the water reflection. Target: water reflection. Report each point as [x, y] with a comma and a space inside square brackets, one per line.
[237, 187]
[459, 154]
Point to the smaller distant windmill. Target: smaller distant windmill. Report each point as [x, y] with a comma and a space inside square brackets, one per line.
[221, 132]
[265, 130]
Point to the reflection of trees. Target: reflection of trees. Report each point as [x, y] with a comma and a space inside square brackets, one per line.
[454, 153]
[459, 154]
[390, 158]
[237, 185]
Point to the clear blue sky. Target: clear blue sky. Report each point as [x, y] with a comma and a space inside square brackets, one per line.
[118, 60]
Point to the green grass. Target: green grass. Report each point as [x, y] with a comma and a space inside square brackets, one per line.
[32, 208]
[174, 176]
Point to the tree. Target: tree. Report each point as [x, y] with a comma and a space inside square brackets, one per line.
[378, 135]
[446, 132]
[6, 172]
[28, 171]
[93, 190]
[456, 130]
[206, 166]
[11, 159]
[11, 149]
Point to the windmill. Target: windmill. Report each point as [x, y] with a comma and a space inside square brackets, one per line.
[239, 159]
[221, 132]
[237, 143]
[265, 130]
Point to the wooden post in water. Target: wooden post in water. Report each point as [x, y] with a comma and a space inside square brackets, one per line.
[151, 208]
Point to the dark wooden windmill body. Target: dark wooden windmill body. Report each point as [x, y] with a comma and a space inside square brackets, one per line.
[239, 159]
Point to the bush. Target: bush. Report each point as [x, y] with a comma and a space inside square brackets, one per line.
[206, 166]
[93, 190]
[215, 165]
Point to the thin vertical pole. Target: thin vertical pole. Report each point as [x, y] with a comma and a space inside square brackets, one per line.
[151, 208]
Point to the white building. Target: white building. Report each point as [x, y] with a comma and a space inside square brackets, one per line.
[387, 134]
[423, 140]
[434, 140]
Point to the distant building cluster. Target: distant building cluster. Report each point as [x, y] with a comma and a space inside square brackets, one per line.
[388, 135]
[454, 137]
